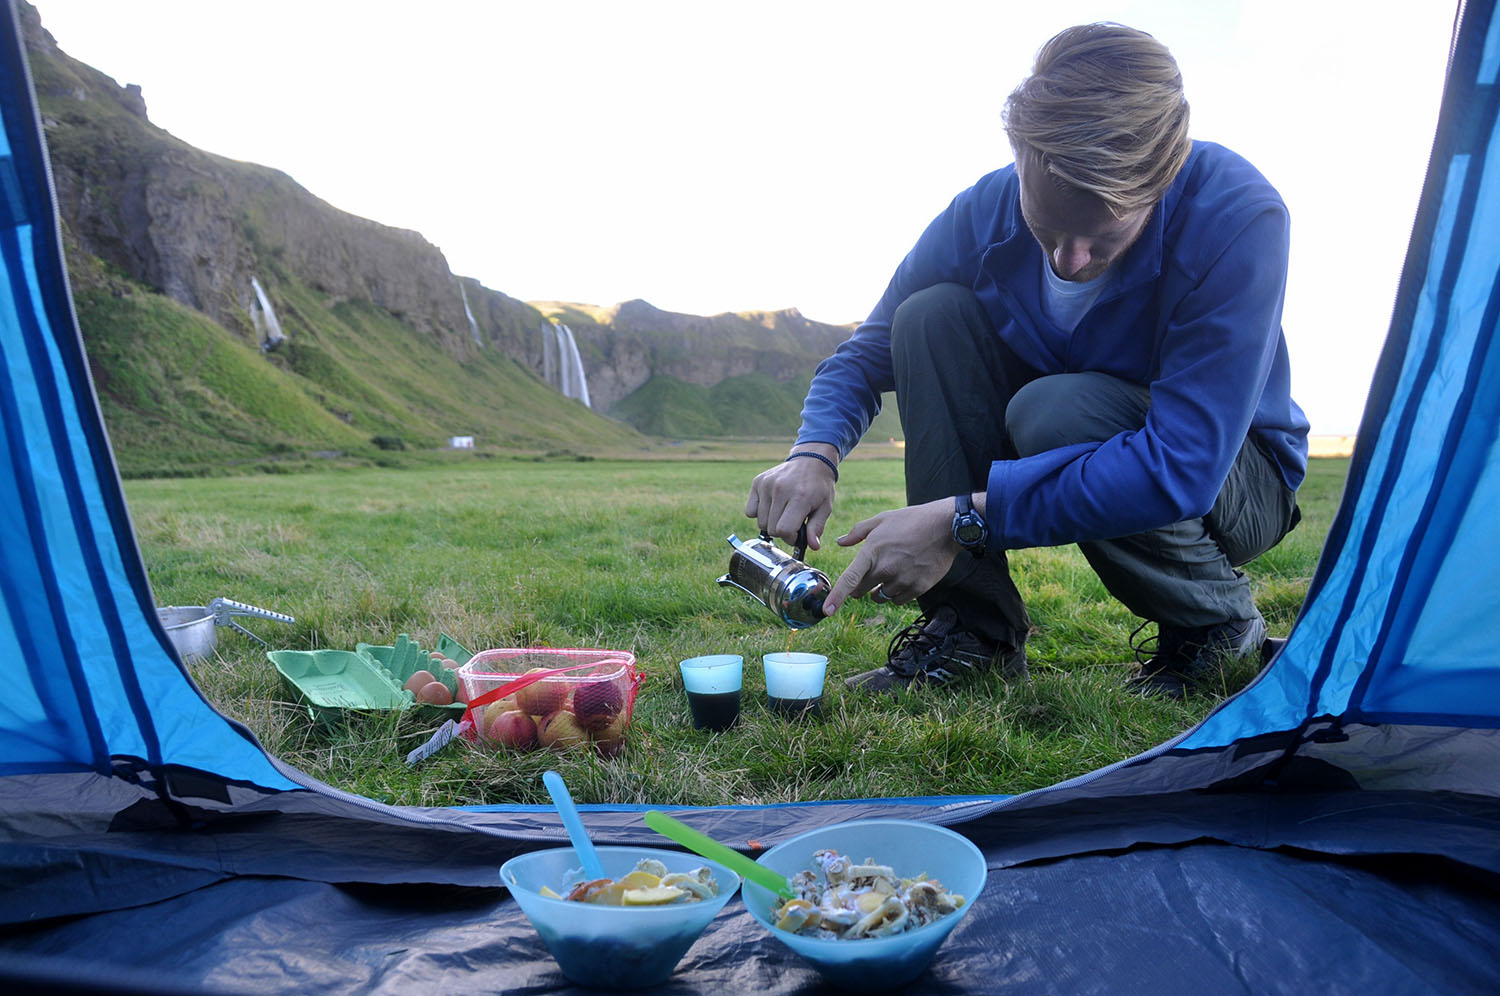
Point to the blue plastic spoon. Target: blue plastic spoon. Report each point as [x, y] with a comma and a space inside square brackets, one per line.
[558, 789]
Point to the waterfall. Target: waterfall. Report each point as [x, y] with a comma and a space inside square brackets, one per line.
[473, 325]
[267, 328]
[575, 383]
[562, 367]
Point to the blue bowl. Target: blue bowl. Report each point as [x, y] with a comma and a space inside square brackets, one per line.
[875, 963]
[613, 947]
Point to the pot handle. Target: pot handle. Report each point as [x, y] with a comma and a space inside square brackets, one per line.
[224, 608]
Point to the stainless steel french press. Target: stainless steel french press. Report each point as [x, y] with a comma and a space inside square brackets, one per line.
[781, 582]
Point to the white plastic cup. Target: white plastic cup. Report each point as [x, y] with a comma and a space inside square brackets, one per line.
[794, 682]
[713, 685]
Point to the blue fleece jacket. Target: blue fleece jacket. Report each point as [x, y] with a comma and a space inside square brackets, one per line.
[1193, 311]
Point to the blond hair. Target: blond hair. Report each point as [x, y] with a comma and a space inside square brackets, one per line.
[1103, 111]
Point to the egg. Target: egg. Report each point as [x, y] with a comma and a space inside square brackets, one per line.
[434, 693]
[417, 680]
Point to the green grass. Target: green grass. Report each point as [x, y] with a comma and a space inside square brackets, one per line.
[624, 554]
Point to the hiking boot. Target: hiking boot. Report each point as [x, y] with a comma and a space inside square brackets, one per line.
[1186, 657]
[936, 650]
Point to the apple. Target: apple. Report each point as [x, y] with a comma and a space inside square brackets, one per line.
[541, 698]
[610, 739]
[513, 729]
[495, 710]
[597, 703]
[559, 730]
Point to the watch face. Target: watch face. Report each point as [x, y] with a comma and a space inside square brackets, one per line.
[970, 532]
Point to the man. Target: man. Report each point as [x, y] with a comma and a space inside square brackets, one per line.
[1086, 348]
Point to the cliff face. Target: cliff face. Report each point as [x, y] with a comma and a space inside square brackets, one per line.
[628, 344]
[199, 227]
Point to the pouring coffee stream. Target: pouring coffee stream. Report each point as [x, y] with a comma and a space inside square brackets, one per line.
[781, 582]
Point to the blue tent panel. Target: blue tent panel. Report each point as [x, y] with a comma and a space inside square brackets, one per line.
[100, 682]
[1398, 624]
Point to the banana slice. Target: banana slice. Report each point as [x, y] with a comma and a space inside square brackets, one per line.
[795, 914]
[870, 870]
[639, 879]
[656, 896]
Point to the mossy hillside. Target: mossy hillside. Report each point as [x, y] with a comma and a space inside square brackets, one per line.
[666, 406]
[749, 406]
[756, 405]
[752, 406]
[182, 395]
[398, 382]
[177, 390]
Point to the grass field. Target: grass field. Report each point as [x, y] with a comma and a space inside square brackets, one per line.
[624, 555]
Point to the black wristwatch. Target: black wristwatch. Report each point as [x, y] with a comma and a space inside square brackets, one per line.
[969, 530]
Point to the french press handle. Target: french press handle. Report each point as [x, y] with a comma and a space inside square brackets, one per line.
[799, 549]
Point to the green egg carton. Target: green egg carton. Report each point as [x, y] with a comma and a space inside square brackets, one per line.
[452, 649]
[332, 682]
[370, 678]
[405, 658]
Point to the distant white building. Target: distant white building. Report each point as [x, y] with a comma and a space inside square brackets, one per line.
[461, 442]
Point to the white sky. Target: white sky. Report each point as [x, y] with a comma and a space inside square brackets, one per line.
[712, 157]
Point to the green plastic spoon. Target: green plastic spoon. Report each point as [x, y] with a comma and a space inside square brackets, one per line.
[701, 843]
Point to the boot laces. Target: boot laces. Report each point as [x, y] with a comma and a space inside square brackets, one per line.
[932, 641]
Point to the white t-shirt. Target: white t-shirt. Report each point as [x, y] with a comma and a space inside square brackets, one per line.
[1066, 302]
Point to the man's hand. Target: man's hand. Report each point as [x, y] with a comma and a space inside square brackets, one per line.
[791, 493]
[906, 551]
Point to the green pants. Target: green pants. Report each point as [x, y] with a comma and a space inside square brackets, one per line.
[965, 402]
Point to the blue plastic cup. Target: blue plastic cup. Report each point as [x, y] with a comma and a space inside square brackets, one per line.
[713, 687]
[794, 682]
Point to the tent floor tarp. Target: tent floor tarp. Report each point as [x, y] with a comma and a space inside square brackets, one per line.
[1205, 891]
[1196, 918]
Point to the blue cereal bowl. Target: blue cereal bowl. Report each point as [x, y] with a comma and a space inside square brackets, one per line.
[613, 947]
[911, 848]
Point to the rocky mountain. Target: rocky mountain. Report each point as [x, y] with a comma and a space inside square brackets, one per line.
[142, 208]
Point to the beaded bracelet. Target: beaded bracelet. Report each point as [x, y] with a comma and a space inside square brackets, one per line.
[817, 456]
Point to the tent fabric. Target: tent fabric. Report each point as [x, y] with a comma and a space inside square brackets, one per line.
[1337, 824]
[74, 599]
[1397, 624]
[1190, 920]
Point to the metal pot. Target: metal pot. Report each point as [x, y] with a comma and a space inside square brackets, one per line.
[193, 629]
[190, 628]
